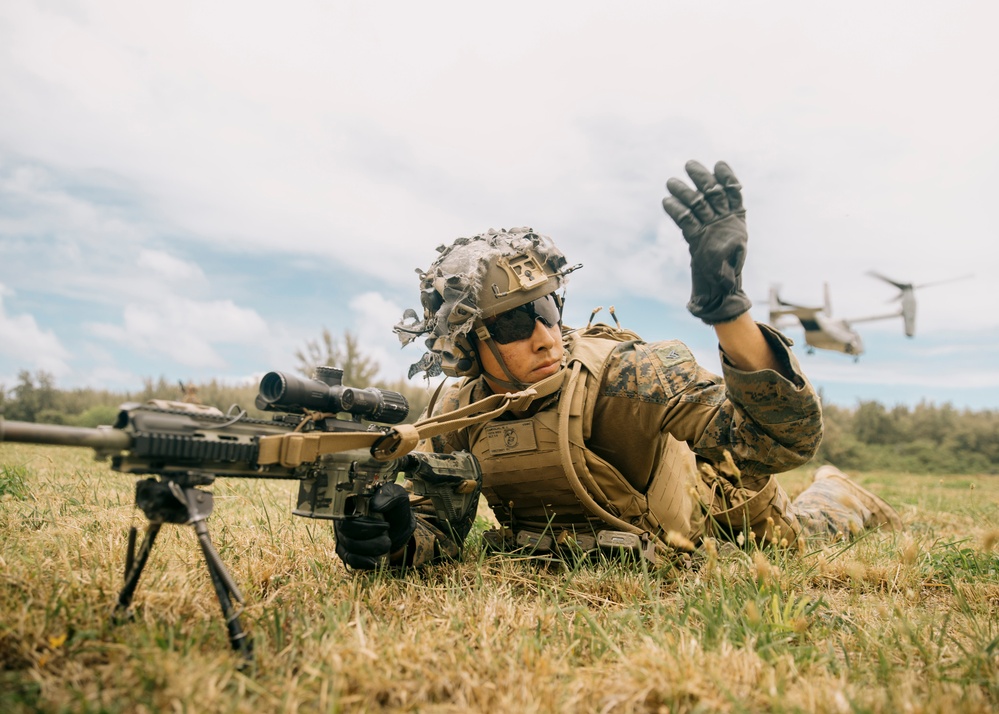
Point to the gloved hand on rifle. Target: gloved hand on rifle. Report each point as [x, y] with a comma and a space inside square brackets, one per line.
[362, 540]
[713, 222]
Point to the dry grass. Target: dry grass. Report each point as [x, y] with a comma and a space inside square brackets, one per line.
[884, 624]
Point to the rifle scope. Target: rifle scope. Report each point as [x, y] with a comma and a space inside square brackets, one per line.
[286, 392]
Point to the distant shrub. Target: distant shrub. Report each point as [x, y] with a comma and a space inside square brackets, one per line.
[95, 416]
[924, 439]
[50, 416]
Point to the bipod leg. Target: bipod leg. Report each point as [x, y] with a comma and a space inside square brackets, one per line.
[226, 591]
[134, 563]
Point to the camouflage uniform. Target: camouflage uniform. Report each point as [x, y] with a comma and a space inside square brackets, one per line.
[766, 423]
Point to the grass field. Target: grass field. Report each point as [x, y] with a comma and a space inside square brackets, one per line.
[887, 623]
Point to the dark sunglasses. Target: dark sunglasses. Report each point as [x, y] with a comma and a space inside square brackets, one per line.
[518, 323]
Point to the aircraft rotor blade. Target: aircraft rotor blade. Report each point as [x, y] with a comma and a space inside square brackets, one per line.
[945, 280]
[873, 318]
[879, 276]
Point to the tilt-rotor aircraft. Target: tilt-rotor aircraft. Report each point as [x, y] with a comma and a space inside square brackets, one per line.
[824, 332]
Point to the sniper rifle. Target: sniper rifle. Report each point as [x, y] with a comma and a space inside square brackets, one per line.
[184, 447]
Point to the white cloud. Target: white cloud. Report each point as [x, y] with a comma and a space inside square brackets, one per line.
[184, 330]
[170, 268]
[373, 317]
[31, 346]
[359, 137]
[919, 374]
[38, 206]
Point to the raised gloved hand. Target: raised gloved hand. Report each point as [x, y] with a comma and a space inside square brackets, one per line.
[713, 222]
[362, 540]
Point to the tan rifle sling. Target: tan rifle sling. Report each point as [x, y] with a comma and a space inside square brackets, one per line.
[296, 448]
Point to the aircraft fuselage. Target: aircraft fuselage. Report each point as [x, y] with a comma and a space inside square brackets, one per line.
[827, 334]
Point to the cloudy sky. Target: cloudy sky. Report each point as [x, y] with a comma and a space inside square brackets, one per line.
[195, 189]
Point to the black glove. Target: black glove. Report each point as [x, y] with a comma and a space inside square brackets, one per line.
[713, 222]
[362, 540]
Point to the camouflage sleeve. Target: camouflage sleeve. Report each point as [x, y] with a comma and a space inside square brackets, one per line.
[786, 413]
[435, 538]
[767, 422]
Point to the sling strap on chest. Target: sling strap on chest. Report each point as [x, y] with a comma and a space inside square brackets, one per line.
[573, 401]
[294, 449]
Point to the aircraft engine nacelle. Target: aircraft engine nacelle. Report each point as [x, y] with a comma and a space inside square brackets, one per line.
[909, 311]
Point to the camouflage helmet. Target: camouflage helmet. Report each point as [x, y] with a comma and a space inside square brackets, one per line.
[472, 280]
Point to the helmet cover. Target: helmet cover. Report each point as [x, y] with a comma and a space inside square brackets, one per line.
[472, 280]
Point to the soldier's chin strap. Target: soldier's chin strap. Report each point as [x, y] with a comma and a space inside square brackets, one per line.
[294, 449]
[514, 383]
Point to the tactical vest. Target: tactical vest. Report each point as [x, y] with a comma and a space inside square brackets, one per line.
[538, 473]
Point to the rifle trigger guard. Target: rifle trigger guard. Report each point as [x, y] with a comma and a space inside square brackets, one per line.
[399, 441]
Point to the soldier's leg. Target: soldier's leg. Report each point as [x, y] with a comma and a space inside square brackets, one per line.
[834, 504]
[767, 515]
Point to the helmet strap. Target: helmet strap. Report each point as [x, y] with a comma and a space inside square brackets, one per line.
[513, 383]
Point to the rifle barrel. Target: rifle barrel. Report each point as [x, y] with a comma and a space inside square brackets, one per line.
[105, 438]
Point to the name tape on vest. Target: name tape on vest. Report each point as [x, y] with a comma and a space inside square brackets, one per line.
[511, 437]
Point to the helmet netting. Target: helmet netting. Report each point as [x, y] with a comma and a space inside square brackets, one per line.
[450, 288]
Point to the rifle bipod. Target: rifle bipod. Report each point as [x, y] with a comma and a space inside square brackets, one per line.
[177, 500]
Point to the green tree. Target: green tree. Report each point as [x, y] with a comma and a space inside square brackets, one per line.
[873, 424]
[33, 396]
[359, 369]
[932, 423]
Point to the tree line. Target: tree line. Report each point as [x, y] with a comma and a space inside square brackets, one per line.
[36, 398]
[927, 438]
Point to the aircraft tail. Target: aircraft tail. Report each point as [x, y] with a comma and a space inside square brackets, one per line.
[907, 297]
